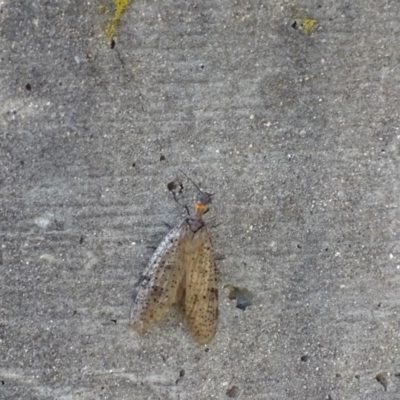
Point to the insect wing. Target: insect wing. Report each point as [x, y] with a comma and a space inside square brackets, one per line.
[200, 304]
[158, 286]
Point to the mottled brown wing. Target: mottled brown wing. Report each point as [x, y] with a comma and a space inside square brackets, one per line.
[200, 303]
[159, 283]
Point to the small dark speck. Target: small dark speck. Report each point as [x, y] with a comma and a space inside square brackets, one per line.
[114, 320]
[181, 375]
[357, 376]
[22, 162]
[162, 157]
[383, 379]
[294, 25]
[81, 239]
[112, 44]
[201, 66]
[233, 392]
[304, 358]
[3, 383]
[338, 375]
[299, 246]
[207, 350]
[28, 86]
[59, 225]
[133, 165]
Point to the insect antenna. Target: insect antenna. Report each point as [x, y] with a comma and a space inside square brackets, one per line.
[202, 196]
[196, 186]
[191, 180]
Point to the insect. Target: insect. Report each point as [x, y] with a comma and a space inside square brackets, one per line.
[182, 271]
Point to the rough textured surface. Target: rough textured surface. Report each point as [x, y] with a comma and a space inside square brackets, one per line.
[298, 136]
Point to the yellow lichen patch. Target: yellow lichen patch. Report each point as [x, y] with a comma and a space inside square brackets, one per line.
[102, 8]
[111, 28]
[309, 24]
[305, 23]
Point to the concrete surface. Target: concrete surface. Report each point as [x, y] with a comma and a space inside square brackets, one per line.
[296, 133]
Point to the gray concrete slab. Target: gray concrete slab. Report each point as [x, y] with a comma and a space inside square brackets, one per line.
[296, 133]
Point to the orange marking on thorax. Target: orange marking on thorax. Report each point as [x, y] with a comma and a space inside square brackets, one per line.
[200, 208]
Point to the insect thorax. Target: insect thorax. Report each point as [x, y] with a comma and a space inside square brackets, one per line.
[195, 224]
